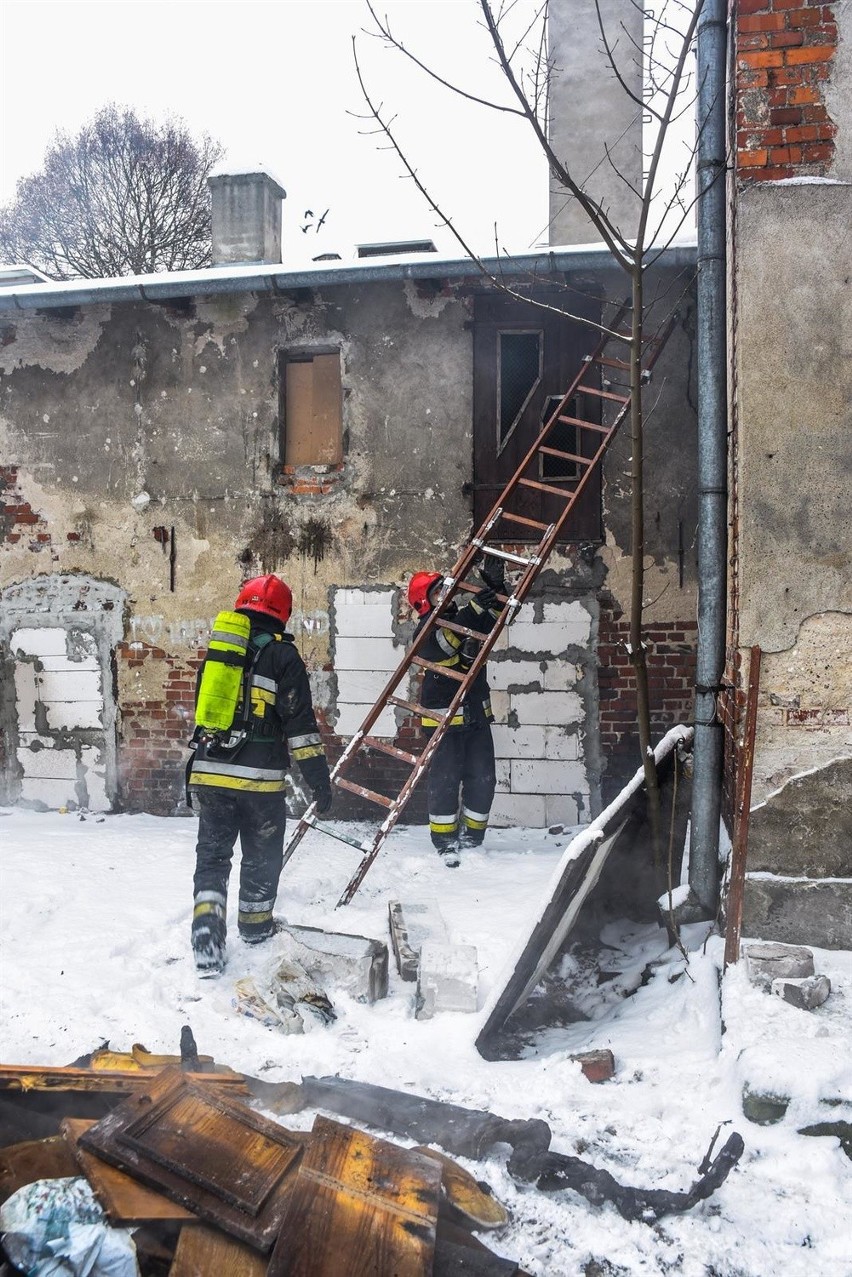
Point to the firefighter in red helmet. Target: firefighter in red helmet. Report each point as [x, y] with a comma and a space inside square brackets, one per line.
[239, 785]
[462, 775]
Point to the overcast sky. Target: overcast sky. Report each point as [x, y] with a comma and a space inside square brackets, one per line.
[275, 82]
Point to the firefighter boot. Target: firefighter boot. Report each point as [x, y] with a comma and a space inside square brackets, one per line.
[473, 826]
[208, 933]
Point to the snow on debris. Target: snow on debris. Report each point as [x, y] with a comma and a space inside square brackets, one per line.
[94, 945]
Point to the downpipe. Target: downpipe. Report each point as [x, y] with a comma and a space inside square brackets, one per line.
[712, 455]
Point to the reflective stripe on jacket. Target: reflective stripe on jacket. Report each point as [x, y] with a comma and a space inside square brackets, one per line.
[444, 647]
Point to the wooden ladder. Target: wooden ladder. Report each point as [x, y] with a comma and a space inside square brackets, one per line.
[593, 440]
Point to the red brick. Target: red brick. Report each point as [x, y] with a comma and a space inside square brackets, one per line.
[816, 152]
[786, 115]
[761, 61]
[753, 159]
[785, 39]
[810, 53]
[761, 22]
[597, 1066]
[754, 6]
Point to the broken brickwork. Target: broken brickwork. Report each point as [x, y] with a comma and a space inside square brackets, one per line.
[784, 55]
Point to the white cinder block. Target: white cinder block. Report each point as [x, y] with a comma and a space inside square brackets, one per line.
[447, 980]
[560, 676]
[544, 777]
[61, 664]
[518, 809]
[359, 687]
[575, 619]
[49, 764]
[561, 810]
[560, 743]
[350, 717]
[366, 620]
[92, 760]
[503, 642]
[353, 598]
[72, 684]
[505, 674]
[65, 716]
[47, 640]
[535, 636]
[559, 708]
[25, 696]
[503, 770]
[500, 705]
[519, 742]
[53, 793]
[366, 654]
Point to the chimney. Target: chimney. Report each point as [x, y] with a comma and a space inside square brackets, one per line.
[246, 216]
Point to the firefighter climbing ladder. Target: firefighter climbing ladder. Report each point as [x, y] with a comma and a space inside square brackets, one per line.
[590, 436]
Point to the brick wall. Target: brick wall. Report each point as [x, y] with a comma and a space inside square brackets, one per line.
[671, 678]
[153, 734]
[784, 53]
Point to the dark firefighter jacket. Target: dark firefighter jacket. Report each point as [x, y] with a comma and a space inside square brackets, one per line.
[443, 647]
[282, 725]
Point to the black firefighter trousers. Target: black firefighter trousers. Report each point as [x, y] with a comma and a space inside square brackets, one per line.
[463, 764]
[259, 820]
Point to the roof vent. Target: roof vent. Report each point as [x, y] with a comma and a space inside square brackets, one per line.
[391, 248]
[15, 276]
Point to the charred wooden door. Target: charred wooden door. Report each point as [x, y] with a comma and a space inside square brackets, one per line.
[524, 359]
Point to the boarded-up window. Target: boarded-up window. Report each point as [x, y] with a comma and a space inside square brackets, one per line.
[312, 406]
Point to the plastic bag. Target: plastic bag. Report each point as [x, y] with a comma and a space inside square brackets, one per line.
[57, 1228]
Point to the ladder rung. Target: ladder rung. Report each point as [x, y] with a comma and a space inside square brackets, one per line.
[547, 487]
[527, 523]
[603, 394]
[363, 792]
[415, 708]
[505, 554]
[587, 425]
[373, 742]
[438, 669]
[462, 629]
[338, 834]
[566, 456]
[471, 589]
[611, 363]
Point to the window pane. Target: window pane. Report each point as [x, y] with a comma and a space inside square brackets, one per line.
[520, 368]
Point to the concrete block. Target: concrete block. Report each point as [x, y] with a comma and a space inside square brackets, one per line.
[350, 717]
[68, 715]
[799, 911]
[768, 962]
[558, 708]
[559, 809]
[503, 769]
[95, 778]
[519, 742]
[543, 777]
[524, 810]
[412, 924]
[62, 664]
[47, 640]
[500, 705]
[534, 636]
[561, 742]
[560, 676]
[366, 654]
[448, 979]
[505, 674]
[25, 697]
[807, 994]
[355, 964]
[347, 597]
[597, 1066]
[50, 764]
[573, 618]
[51, 794]
[362, 687]
[373, 620]
[73, 684]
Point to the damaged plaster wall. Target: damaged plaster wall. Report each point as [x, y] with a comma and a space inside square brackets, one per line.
[794, 383]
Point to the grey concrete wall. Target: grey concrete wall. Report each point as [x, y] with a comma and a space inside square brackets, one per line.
[246, 217]
[590, 113]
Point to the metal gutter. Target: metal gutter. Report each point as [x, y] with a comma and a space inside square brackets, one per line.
[712, 455]
[218, 280]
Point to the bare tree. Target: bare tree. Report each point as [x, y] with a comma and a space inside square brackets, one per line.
[126, 196]
[527, 70]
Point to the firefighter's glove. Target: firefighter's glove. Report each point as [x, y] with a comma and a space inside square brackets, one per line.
[494, 576]
[323, 799]
[487, 599]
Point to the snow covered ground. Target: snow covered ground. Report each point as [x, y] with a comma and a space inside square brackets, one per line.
[94, 924]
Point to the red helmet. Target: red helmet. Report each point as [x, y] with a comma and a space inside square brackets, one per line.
[267, 594]
[418, 590]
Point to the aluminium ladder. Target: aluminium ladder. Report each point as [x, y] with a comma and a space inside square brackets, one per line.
[589, 434]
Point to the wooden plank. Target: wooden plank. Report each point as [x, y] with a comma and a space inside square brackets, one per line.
[213, 1155]
[22, 1164]
[124, 1199]
[203, 1252]
[478, 1206]
[367, 1199]
[32, 1077]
